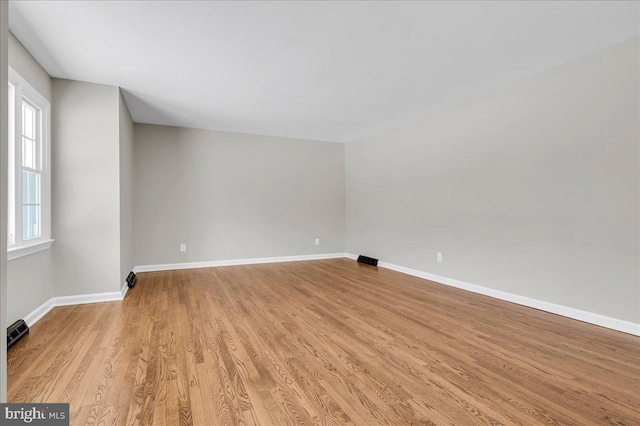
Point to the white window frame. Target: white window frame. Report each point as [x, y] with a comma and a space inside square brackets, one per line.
[24, 90]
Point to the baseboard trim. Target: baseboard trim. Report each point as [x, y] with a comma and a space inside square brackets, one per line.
[83, 299]
[565, 311]
[577, 314]
[80, 299]
[234, 262]
[39, 312]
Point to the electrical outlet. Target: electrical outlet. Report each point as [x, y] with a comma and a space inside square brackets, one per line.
[317, 241]
[439, 257]
[183, 247]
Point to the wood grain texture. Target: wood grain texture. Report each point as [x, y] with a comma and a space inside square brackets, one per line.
[329, 342]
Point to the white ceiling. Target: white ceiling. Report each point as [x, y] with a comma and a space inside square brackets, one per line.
[330, 71]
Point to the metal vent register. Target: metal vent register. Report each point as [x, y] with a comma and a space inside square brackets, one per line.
[15, 332]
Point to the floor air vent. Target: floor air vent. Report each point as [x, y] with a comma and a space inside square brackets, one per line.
[131, 279]
[15, 332]
[368, 260]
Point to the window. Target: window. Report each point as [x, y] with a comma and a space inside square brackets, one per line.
[29, 204]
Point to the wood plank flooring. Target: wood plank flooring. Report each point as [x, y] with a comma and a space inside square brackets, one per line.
[328, 342]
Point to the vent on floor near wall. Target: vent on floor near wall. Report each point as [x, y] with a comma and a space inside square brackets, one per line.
[131, 279]
[368, 260]
[15, 332]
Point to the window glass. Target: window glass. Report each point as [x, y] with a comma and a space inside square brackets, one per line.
[30, 187]
[28, 219]
[30, 222]
[28, 120]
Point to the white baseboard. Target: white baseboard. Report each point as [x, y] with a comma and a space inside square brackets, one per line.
[80, 299]
[216, 263]
[39, 312]
[565, 311]
[588, 317]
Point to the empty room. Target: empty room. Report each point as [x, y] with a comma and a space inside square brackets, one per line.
[320, 213]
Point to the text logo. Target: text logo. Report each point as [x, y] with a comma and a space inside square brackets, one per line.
[34, 414]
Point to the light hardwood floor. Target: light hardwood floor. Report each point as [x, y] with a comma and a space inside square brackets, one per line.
[327, 342]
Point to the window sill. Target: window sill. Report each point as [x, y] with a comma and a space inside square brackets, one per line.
[16, 252]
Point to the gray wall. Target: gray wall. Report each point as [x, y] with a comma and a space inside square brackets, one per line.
[532, 189]
[24, 64]
[29, 283]
[126, 189]
[29, 278]
[234, 196]
[85, 188]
